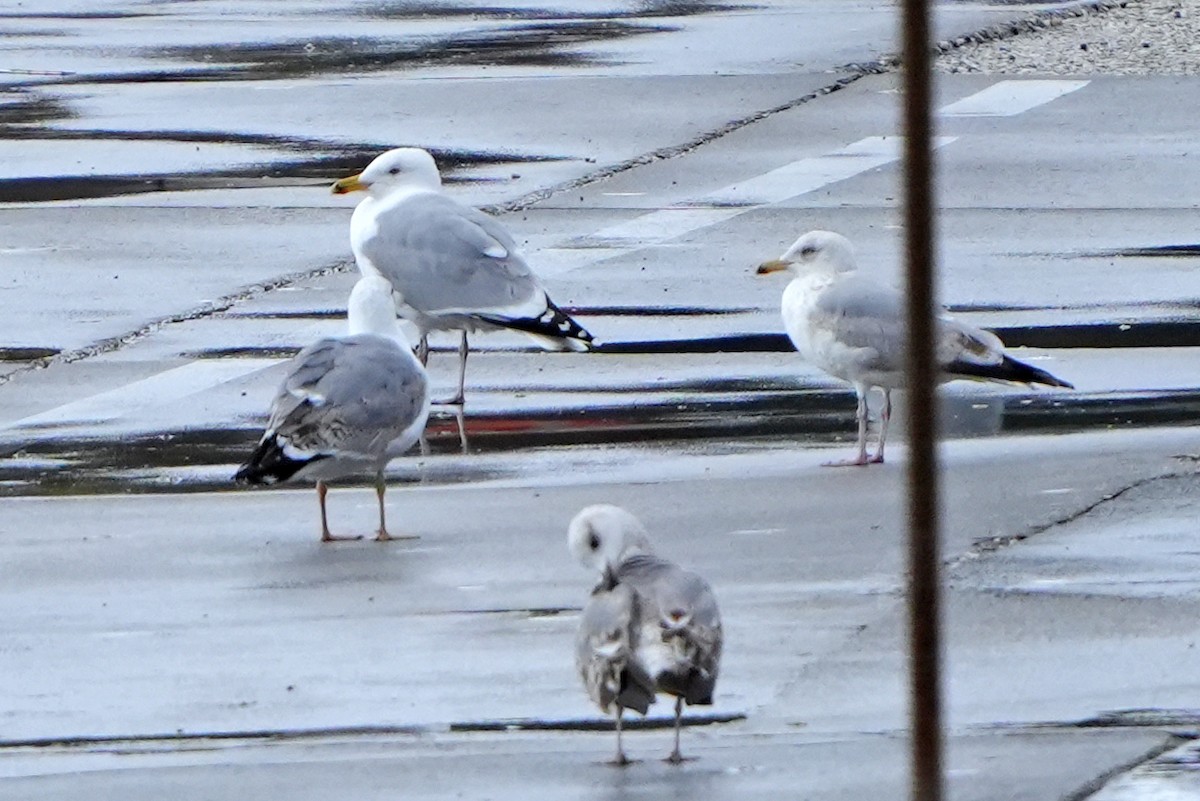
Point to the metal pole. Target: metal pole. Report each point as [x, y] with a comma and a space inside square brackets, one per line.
[923, 594]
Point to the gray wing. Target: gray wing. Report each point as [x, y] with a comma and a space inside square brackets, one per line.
[350, 396]
[959, 342]
[604, 651]
[444, 257]
[684, 610]
[863, 314]
[866, 317]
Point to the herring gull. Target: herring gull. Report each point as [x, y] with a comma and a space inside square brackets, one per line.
[453, 267]
[349, 404]
[649, 626]
[852, 327]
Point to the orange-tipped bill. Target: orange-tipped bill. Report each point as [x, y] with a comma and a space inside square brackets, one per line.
[348, 184]
[772, 266]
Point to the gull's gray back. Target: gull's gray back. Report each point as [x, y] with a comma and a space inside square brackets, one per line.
[350, 397]
[862, 313]
[434, 251]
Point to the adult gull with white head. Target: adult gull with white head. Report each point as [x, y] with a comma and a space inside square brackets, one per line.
[852, 327]
[453, 267]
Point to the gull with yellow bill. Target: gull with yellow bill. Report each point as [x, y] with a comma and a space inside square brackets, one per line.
[452, 267]
[852, 327]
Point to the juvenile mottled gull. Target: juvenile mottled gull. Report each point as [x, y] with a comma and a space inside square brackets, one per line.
[453, 267]
[852, 327]
[349, 404]
[649, 627]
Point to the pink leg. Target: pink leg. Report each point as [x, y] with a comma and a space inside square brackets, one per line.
[861, 414]
[383, 535]
[322, 491]
[885, 417]
[620, 760]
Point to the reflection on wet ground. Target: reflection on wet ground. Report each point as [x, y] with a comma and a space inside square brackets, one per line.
[79, 15]
[736, 415]
[23, 107]
[402, 9]
[540, 45]
[1143, 334]
[314, 170]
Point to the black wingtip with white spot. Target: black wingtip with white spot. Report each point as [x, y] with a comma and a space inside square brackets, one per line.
[554, 324]
[270, 464]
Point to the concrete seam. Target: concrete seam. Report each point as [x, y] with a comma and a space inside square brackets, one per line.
[1094, 786]
[992, 544]
[221, 304]
[674, 151]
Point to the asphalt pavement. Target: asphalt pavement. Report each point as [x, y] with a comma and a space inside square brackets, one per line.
[170, 240]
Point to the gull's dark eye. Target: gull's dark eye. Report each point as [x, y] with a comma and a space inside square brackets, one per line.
[394, 171]
[808, 250]
[594, 542]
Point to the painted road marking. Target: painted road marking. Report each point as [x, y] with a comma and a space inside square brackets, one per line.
[783, 183]
[809, 175]
[157, 390]
[661, 225]
[1009, 98]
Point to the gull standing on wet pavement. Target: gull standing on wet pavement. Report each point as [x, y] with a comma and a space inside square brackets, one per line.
[349, 404]
[452, 266]
[649, 627]
[852, 327]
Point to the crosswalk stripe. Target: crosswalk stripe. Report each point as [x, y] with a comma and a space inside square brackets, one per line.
[156, 390]
[783, 183]
[1009, 98]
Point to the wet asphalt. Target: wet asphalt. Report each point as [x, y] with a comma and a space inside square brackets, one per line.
[165, 209]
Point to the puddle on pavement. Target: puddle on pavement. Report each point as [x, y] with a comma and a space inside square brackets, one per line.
[583, 311]
[1154, 251]
[524, 45]
[26, 354]
[535, 37]
[1181, 333]
[642, 9]
[1146, 334]
[25, 107]
[738, 415]
[311, 171]
[73, 15]
[597, 724]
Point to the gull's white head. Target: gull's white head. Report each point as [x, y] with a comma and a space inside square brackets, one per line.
[395, 169]
[371, 309]
[816, 251]
[601, 536]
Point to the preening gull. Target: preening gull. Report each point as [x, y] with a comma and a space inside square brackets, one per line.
[452, 266]
[348, 404]
[649, 627]
[852, 327]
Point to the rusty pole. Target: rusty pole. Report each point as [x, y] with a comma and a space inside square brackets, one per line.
[923, 594]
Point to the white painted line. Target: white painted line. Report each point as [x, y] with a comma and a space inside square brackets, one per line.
[789, 181]
[159, 389]
[809, 175]
[1008, 98]
[661, 225]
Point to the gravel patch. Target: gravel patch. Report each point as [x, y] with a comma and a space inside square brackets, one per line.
[1137, 37]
